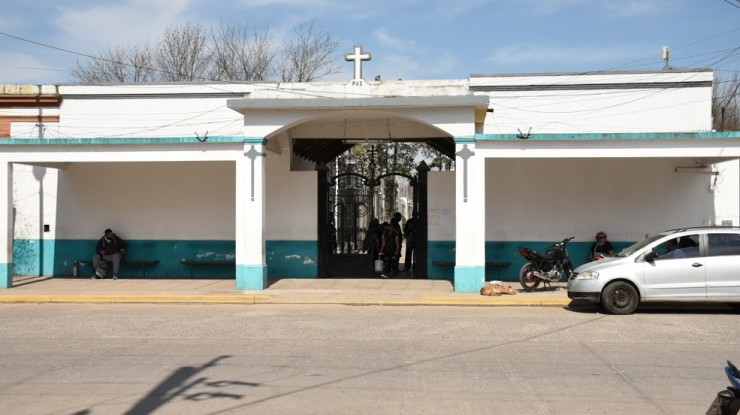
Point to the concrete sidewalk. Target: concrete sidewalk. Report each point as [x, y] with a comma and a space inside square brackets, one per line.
[285, 291]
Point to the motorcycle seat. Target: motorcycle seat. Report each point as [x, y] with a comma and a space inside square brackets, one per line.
[546, 257]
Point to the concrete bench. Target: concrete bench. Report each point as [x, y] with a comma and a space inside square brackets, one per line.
[143, 263]
[192, 263]
[499, 265]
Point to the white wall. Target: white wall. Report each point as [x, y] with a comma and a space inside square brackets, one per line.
[441, 205]
[291, 204]
[155, 110]
[550, 199]
[727, 192]
[193, 201]
[35, 201]
[546, 105]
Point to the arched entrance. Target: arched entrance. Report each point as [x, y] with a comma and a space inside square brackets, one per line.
[350, 199]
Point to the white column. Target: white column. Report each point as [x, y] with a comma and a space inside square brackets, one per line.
[251, 267]
[470, 223]
[6, 224]
[726, 188]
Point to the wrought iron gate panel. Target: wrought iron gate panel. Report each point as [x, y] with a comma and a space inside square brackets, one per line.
[348, 202]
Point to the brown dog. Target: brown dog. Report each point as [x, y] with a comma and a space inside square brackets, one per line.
[496, 289]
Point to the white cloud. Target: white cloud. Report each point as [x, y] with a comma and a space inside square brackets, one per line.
[127, 22]
[396, 67]
[396, 43]
[407, 59]
[442, 66]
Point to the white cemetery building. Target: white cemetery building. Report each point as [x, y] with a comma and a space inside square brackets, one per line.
[238, 180]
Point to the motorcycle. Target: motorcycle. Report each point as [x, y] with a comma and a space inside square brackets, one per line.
[727, 401]
[546, 267]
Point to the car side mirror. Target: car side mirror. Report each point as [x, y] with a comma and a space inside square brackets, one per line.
[651, 256]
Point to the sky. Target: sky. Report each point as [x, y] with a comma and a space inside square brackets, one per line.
[408, 39]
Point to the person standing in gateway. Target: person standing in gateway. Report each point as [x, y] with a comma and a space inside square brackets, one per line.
[109, 248]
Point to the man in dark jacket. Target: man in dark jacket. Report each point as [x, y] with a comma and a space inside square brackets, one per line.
[109, 248]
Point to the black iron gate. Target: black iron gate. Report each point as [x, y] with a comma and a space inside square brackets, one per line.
[348, 202]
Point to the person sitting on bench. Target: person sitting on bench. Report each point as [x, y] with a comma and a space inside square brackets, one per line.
[109, 248]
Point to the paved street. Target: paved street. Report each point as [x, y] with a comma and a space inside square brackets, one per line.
[319, 359]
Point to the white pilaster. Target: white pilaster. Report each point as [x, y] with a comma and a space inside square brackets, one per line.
[251, 268]
[6, 224]
[470, 238]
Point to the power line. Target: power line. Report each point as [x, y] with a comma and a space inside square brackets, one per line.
[54, 47]
[32, 68]
[98, 58]
[717, 58]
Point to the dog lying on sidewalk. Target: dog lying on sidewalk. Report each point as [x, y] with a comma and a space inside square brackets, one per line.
[496, 288]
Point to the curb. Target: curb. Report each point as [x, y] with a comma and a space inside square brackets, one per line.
[265, 299]
[499, 301]
[119, 298]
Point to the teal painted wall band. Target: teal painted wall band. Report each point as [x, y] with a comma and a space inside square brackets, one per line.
[705, 135]
[292, 259]
[708, 135]
[469, 279]
[503, 251]
[255, 140]
[6, 275]
[251, 277]
[285, 259]
[34, 256]
[464, 140]
[141, 140]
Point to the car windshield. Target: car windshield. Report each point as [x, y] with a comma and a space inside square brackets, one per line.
[638, 246]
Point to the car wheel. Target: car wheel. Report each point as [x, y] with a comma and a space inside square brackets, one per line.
[620, 298]
[529, 282]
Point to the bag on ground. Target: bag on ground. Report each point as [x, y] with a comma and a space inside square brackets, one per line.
[101, 269]
[378, 265]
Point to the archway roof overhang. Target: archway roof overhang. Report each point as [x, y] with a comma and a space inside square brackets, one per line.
[328, 127]
[477, 102]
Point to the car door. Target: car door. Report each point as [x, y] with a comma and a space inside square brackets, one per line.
[677, 273]
[723, 265]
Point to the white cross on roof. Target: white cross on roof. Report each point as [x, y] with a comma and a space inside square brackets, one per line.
[358, 57]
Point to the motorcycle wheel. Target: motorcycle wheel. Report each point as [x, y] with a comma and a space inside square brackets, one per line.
[528, 281]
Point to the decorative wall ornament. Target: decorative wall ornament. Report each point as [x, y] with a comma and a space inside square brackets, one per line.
[253, 154]
[465, 154]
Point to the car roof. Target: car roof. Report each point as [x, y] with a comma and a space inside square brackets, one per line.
[704, 228]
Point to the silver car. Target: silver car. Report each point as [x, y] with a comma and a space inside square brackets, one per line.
[691, 264]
